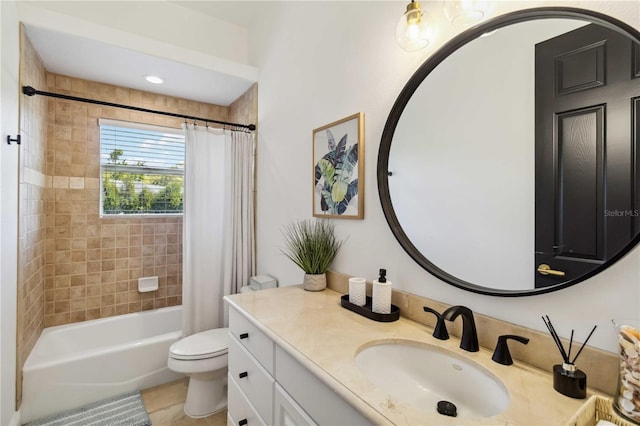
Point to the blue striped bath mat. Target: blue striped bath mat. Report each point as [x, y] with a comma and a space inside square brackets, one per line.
[122, 410]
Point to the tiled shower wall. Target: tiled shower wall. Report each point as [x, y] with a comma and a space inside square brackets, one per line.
[31, 228]
[92, 263]
[244, 110]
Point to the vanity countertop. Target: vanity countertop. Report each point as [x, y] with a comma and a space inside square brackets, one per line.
[324, 337]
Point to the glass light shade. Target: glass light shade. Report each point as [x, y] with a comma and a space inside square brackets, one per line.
[463, 13]
[414, 29]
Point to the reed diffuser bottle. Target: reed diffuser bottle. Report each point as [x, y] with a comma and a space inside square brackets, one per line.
[570, 381]
[567, 378]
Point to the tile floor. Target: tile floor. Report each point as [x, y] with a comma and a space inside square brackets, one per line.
[165, 404]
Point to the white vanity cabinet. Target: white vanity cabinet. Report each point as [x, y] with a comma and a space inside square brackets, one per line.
[267, 386]
[251, 366]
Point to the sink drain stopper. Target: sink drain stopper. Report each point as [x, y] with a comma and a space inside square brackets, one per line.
[447, 408]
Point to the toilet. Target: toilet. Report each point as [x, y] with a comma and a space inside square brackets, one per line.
[203, 357]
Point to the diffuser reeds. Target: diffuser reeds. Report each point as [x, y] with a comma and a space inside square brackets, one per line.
[566, 356]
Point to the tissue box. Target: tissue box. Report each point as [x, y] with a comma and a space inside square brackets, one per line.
[260, 282]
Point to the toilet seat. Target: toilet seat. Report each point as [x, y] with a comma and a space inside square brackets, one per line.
[203, 345]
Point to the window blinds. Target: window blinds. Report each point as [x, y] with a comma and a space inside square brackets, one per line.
[142, 168]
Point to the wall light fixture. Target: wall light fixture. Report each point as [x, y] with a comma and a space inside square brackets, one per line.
[463, 13]
[416, 29]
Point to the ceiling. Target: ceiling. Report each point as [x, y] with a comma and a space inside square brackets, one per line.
[90, 59]
[244, 13]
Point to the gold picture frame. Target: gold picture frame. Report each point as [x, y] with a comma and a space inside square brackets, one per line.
[338, 169]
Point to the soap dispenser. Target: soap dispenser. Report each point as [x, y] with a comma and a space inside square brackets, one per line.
[381, 297]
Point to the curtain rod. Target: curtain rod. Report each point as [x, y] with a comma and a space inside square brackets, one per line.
[30, 91]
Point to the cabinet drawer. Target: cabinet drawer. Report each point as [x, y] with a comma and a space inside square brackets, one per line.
[239, 411]
[256, 342]
[287, 412]
[252, 379]
[319, 401]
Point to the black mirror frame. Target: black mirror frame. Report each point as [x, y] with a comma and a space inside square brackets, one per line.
[407, 92]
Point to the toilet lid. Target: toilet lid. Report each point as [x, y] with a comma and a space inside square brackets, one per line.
[206, 344]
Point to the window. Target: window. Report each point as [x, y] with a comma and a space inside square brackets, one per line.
[141, 168]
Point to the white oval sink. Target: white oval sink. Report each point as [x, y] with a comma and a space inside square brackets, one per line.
[421, 375]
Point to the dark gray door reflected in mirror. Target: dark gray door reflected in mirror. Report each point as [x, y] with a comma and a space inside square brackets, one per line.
[469, 193]
[584, 169]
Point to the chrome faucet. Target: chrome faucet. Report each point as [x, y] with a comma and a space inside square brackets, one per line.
[469, 339]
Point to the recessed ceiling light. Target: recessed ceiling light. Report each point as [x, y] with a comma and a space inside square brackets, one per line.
[153, 79]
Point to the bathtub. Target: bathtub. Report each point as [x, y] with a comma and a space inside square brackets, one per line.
[76, 364]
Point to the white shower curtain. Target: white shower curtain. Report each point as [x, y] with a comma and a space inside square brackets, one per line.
[240, 247]
[218, 230]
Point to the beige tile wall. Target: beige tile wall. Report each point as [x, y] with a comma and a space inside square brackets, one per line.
[31, 226]
[93, 263]
[244, 110]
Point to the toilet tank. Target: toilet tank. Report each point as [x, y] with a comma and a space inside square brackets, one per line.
[260, 282]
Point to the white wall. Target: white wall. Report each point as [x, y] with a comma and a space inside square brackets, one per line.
[9, 58]
[321, 61]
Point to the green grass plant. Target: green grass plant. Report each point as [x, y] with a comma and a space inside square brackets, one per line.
[311, 244]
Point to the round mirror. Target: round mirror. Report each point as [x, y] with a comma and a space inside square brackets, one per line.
[509, 164]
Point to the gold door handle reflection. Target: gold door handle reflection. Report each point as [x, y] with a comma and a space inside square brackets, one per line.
[545, 269]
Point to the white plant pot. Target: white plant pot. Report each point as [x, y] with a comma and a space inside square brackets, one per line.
[314, 282]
